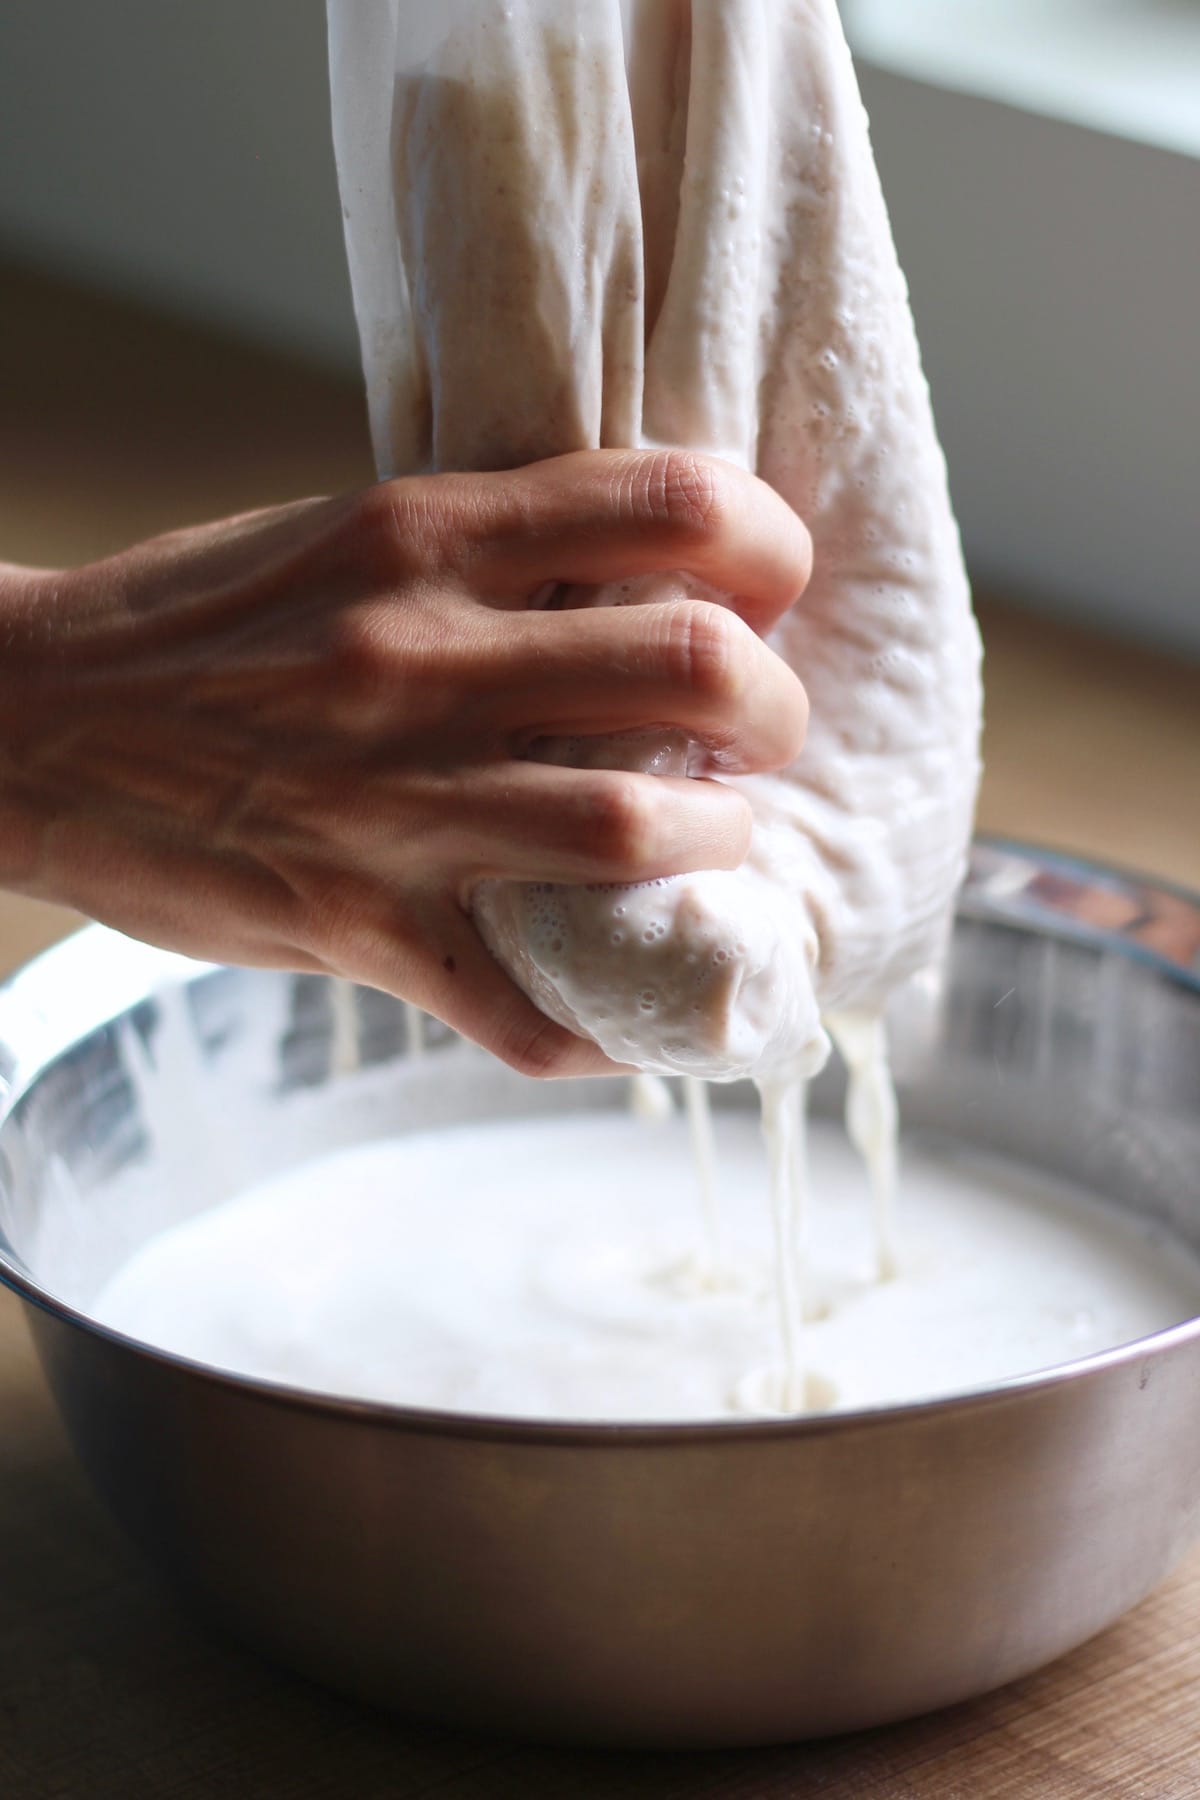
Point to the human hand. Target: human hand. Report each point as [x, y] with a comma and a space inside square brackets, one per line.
[297, 739]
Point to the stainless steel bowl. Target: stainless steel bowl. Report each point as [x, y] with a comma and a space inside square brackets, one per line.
[690, 1585]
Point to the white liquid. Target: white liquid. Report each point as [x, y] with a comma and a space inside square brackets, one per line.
[556, 1270]
[873, 1124]
[343, 1037]
[414, 1029]
[650, 1097]
[704, 1160]
[784, 1131]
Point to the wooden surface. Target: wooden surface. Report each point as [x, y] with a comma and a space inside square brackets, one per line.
[108, 1692]
[113, 426]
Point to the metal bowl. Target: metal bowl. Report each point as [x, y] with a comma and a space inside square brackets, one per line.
[732, 1583]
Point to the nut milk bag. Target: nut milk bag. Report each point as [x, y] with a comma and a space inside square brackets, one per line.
[583, 223]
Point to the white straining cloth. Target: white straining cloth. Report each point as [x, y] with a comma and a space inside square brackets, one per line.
[579, 223]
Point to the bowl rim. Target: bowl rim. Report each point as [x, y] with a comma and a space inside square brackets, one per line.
[1008, 901]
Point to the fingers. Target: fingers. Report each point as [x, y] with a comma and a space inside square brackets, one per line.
[598, 516]
[454, 977]
[689, 664]
[537, 822]
[480, 1000]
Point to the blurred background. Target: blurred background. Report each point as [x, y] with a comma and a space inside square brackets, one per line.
[177, 343]
[1041, 159]
[176, 336]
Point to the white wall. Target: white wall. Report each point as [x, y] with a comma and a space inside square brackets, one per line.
[1127, 67]
[1055, 276]
[180, 148]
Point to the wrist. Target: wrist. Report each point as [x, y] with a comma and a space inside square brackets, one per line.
[28, 601]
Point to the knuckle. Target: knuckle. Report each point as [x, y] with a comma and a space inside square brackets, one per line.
[364, 662]
[539, 1049]
[683, 494]
[392, 525]
[706, 651]
[377, 521]
[622, 822]
[797, 723]
[336, 920]
[744, 818]
[804, 558]
[786, 721]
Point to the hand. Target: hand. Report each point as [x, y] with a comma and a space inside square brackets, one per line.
[295, 739]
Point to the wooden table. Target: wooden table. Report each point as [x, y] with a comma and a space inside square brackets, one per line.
[115, 425]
